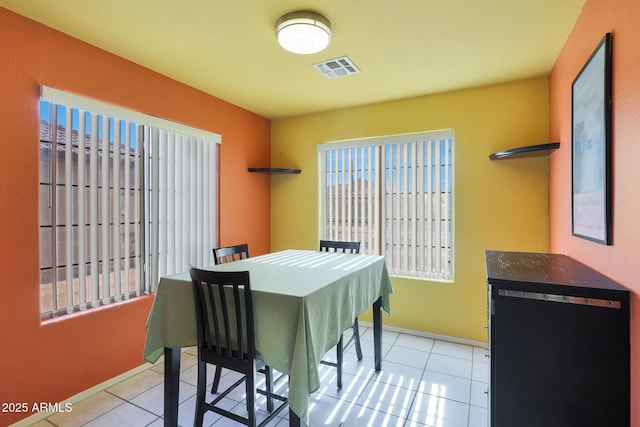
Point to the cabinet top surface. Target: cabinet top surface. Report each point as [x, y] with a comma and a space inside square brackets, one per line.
[551, 269]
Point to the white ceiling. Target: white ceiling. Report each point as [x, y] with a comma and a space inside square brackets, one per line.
[404, 48]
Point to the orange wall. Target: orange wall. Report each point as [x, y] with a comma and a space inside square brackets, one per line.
[51, 362]
[621, 261]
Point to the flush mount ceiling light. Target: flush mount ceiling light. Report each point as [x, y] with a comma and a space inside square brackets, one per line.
[303, 32]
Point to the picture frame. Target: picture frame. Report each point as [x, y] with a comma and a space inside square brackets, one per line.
[591, 216]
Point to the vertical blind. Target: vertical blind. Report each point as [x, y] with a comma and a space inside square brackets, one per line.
[352, 196]
[182, 201]
[394, 195]
[120, 202]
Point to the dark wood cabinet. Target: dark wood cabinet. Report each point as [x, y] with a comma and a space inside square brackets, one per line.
[558, 343]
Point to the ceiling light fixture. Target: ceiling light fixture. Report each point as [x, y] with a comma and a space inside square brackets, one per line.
[303, 32]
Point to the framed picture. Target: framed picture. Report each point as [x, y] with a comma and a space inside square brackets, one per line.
[591, 147]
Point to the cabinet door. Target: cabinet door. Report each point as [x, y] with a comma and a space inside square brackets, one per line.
[558, 364]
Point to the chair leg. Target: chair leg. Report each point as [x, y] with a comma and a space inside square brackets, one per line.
[251, 400]
[268, 377]
[216, 380]
[356, 337]
[339, 361]
[200, 394]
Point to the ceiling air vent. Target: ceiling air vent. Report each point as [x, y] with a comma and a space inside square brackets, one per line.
[337, 67]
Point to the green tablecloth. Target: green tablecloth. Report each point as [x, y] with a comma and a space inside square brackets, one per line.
[303, 301]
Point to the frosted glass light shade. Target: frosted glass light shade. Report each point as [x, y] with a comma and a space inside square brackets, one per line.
[303, 32]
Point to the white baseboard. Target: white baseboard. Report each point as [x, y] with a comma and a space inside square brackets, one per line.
[428, 335]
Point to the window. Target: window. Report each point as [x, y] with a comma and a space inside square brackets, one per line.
[395, 195]
[124, 198]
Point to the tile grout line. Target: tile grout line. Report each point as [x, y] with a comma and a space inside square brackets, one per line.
[415, 394]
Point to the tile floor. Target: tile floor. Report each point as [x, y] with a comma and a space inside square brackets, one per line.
[423, 382]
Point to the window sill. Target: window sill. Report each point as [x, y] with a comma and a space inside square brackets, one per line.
[422, 279]
[142, 299]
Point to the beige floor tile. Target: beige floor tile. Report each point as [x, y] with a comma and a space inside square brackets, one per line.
[449, 365]
[423, 382]
[446, 386]
[387, 398]
[453, 349]
[153, 399]
[430, 410]
[137, 384]
[42, 423]
[87, 410]
[125, 414]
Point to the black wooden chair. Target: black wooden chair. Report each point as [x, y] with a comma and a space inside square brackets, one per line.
[220, 256]
[347, 247]
[230, 253]
[225, 328]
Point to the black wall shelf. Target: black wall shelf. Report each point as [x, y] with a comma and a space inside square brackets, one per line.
[273, 171]
[528, 151]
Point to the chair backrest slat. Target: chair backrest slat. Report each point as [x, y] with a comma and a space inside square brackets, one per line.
[210, 318]
[239, 337]
[337, 246]
[230, 253]
[225, 318]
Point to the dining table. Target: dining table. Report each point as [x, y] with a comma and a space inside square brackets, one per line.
[303, 301]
